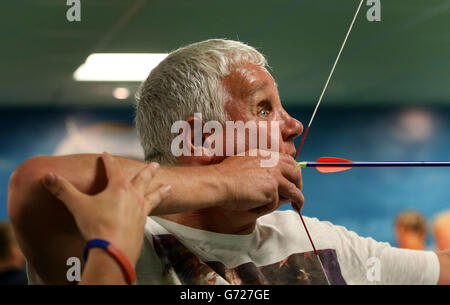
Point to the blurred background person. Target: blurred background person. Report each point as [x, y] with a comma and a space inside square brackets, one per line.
[12, 261]
[441, 230]
[411, 230]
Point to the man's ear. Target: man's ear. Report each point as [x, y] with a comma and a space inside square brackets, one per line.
[196, 141]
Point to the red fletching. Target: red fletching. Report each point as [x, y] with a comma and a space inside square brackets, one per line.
[332, 169]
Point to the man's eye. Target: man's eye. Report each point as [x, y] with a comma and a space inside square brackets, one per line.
[263, 113]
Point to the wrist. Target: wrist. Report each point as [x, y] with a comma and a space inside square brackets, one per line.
[129, 246]
[101, 268]
[115, 253]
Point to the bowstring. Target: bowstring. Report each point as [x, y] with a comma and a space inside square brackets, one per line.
[311, 120]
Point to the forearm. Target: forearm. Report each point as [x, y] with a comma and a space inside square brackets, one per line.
[444, 261]
[192, 187]
[102, 269]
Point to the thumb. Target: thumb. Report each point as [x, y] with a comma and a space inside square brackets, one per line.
[62, 189]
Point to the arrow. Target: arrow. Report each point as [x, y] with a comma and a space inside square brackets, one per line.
[334, 165]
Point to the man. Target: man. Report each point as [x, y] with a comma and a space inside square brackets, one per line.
[218, 225]
[411, 230]
[441, 228]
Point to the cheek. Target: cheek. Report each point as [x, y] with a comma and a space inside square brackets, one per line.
[269, 136]
[265, 135]
[234, 143]
[443, 235]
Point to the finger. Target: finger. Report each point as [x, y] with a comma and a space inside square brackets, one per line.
[290, 191]
[155, 198]
[297, 207]
[65, 191]
[259, 210]
[300, 183]
[142, 179]
[291, 171]
[112, 167]
[284, 200]
[266, 209]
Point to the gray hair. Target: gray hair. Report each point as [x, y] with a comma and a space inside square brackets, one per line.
[187, 81]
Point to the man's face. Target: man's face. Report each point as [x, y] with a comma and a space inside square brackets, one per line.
[442, 236]
[254, 97]
[409, 238]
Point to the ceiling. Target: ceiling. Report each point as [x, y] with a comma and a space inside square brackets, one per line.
[404, 59]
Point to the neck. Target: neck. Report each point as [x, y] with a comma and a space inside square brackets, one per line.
[216, 220]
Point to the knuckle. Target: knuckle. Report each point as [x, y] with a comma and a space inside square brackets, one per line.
[271, 192]
[153, 167]
[272, 186]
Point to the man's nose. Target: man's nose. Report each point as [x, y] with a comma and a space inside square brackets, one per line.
[291, 128]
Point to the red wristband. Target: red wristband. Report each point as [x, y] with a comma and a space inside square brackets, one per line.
[117, 254]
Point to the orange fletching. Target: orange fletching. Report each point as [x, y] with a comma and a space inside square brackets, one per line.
[332, 169]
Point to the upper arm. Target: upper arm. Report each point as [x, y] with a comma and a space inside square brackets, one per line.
[44, 228]
[372, 262]
[444, 262]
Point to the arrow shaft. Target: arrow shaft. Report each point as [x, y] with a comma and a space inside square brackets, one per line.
[378, 164]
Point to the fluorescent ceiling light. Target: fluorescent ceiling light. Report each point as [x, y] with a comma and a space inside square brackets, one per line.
[131, 67]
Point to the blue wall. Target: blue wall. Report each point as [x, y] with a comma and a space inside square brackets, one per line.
[363, 200]
[367, 200]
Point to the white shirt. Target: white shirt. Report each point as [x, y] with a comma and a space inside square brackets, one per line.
[276, 252]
